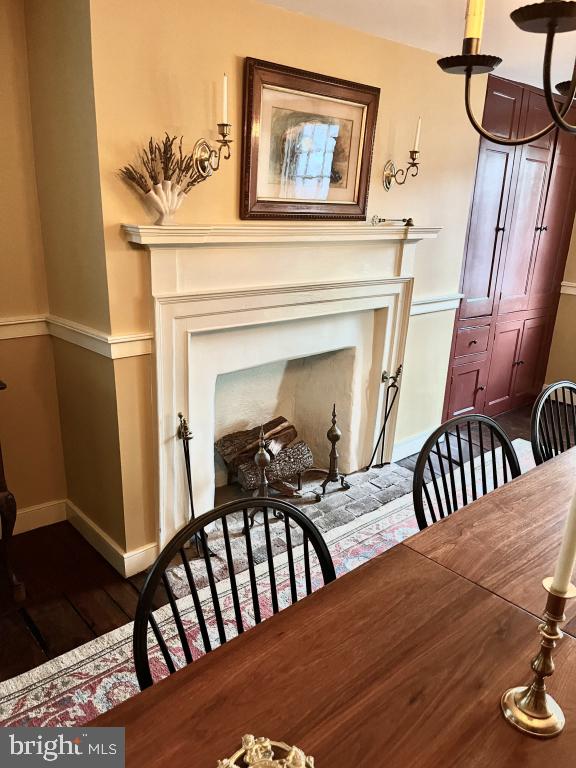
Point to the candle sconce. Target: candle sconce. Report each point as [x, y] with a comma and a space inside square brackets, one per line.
[530, 708]
[400, 175]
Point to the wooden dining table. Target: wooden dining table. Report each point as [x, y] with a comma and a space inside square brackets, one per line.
[399, 663]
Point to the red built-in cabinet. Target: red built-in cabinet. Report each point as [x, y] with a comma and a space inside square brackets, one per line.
[519, 232]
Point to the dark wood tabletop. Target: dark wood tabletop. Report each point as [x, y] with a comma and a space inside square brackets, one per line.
[399, 663]
[508, 541]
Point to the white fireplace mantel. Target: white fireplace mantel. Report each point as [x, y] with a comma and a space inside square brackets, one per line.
[170, 236]
[233, 298]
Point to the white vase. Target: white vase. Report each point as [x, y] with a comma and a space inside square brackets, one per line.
[165, 198]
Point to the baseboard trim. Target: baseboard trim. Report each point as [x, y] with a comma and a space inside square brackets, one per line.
[39, 515]
[126, 563]
[409, 446]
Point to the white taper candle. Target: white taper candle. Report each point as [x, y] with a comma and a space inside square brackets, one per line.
[417, 136]
[567, 557]
[225, 99]
[474, 19]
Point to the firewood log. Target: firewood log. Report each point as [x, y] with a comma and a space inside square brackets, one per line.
[296, 458]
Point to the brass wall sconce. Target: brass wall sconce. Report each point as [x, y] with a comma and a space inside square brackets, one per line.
[400, 175]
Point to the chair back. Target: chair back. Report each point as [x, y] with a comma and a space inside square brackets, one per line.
[465, 458]
[194, 598]
[553, 427]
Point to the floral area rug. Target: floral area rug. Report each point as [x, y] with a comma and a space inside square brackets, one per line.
[78, 686]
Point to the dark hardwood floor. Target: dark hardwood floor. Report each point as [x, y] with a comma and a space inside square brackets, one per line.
[74, 595]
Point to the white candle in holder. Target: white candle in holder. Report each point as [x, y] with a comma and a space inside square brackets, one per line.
[417, 136]
[567, 557]
[225, 99]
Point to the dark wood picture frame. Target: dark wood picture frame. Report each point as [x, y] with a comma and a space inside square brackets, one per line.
[258, 73]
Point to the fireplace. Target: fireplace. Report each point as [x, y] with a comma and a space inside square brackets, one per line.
[302, 390]
[285, 304]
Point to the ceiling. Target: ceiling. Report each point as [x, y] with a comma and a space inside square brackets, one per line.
[437, 26]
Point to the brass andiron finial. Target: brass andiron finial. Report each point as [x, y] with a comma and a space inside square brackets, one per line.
[530, 708]
[333, 475]
[262, 459]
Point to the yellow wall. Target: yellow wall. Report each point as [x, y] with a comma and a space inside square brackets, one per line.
[29, 423]
[67, 159]
[562, 362]
[87, 395]
[22, 285]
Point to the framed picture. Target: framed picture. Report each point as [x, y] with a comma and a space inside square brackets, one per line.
[307, 144]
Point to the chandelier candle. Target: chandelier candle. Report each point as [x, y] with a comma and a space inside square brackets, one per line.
[474, 20]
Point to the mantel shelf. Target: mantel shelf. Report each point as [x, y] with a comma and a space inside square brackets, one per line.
[176, 235]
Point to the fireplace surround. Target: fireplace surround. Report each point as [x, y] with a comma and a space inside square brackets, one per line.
[231, 298]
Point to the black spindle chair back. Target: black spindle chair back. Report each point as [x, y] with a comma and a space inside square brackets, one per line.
[553, 424]
[465, 458]
[220, 597]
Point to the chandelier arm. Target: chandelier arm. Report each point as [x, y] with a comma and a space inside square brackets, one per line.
[557, 115]
[491, 137]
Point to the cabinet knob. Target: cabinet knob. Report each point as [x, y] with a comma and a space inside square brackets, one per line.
[518, 362]
[481, 388]
[500, 229]
[542, 229]
[474, 341]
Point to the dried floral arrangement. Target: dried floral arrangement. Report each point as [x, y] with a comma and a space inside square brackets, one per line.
[165, 174]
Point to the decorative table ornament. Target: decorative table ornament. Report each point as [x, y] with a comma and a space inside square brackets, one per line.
[261, 752]
[165, 175]
[530, 708]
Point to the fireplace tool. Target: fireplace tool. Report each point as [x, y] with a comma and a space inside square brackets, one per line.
[392, 386]
[198, 540]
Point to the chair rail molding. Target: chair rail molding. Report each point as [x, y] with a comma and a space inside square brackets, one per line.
[109, 345]
[568, 288]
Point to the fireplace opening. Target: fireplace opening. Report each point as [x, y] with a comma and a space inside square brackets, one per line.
[302, 391]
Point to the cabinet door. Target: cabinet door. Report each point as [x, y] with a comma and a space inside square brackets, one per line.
[505, 349]
[502, 110]
[467, 388]
[532, 359]
[485, 230]
[557, 221]
[528, 208]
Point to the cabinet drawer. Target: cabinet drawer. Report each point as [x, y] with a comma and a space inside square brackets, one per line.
[470, 341]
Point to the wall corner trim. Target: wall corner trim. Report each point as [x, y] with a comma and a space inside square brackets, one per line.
[126, 563]
[568, 288]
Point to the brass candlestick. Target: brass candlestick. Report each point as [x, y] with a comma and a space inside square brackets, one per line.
[530, 708]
